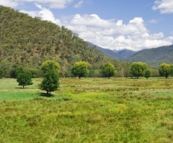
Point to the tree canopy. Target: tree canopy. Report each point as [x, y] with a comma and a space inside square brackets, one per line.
[108, 70]
[23, 76]
[1, 73]
[165, 70]
[51, 76]
[137, 69]
[80, 69]
[147, 74]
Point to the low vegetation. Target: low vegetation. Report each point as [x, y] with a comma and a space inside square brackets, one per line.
[88, 110]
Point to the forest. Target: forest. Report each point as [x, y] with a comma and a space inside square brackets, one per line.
[30, 41]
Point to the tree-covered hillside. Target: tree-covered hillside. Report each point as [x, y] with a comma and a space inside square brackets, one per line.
[154, 56]
[30, 41]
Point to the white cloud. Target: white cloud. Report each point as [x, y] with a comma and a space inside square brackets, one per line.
[115, 34]
[9, 3]
[165, 6]
[78, 4]
[50, 3]
[90, 20]
[112, 34]
[44, 14]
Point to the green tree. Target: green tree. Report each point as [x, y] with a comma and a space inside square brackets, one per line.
[171, 69]
[137, 69]
[165, 70]
[50, 65]
[108, 70]
[51, 76]
[18, 70]
[80, 69]
[147, 74]
[24, 78]
[1, 73]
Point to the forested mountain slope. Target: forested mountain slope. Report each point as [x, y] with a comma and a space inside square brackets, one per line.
[30, 41]
[154, 56]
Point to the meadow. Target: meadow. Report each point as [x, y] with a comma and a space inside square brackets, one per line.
[89, 110]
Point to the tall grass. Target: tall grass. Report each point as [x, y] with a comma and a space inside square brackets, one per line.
[88, 110]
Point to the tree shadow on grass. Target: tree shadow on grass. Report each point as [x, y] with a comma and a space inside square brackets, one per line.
[46, 95]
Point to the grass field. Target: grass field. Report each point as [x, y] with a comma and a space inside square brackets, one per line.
[89, 110]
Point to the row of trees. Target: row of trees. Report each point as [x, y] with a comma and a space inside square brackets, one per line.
[80, 69]
[51, 71]
[137, 69]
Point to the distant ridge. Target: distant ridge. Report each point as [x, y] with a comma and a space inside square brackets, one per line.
[125, 53]
[120, 54]
[107, 52]
[154, 56]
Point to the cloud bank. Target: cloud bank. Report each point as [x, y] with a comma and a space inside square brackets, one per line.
[165, 6]
[116, 34]
[50, 3]
[107, 33]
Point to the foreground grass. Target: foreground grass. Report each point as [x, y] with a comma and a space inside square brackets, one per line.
[88, 110]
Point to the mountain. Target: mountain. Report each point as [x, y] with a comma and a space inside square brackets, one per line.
[125, 53]
[154, 56]
[120, 54]
[107, 52]
[31, 41]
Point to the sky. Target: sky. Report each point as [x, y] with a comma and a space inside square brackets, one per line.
[111, 24]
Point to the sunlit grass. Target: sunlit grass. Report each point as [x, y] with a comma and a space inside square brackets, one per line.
[88, 110]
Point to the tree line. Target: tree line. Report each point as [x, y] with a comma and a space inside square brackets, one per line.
[84, 69]
[51, 72]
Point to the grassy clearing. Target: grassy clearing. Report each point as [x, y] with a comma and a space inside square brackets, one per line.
[88, 110]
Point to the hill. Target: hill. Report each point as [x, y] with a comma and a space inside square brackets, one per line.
[107, 52]
[120, 54]
[30, 41]
[154, 56]
[125, 53]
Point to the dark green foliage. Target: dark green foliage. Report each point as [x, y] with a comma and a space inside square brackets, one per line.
[24, 78]
[51, 76]
[50, 66]
[147, 74]
[165, 70]
[35, 72]
[137, 69]
[108, 70]
[50, 81]
[18, 70]
[80, 69]
[171, 69]
[1, 73]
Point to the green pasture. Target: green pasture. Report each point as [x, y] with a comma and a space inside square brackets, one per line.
[89, 110]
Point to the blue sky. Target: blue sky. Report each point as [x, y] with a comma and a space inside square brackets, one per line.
[113, 24]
